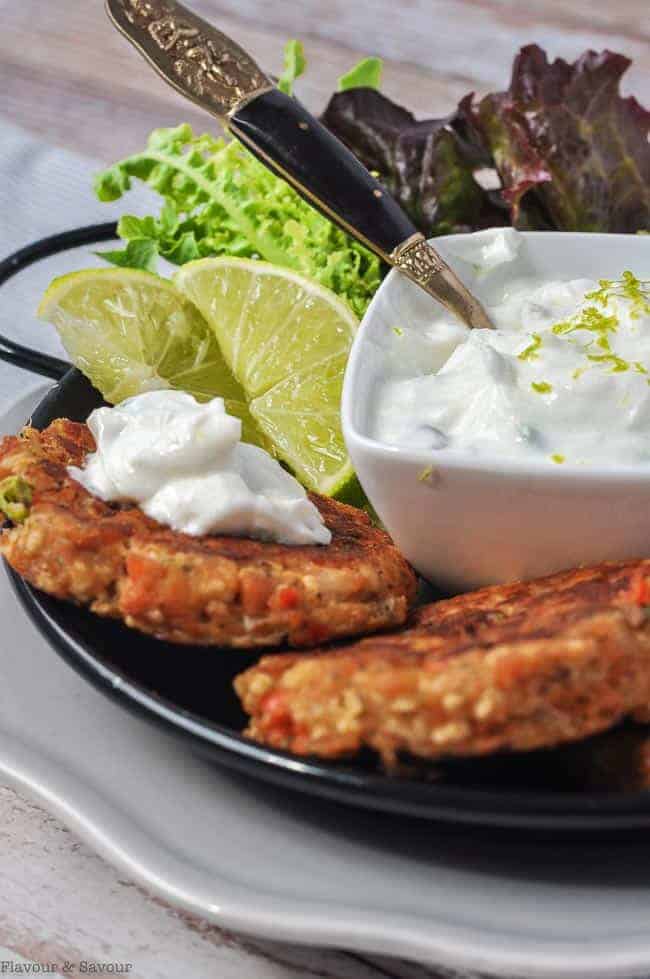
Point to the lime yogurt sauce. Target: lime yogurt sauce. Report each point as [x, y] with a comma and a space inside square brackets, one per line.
[564, 377]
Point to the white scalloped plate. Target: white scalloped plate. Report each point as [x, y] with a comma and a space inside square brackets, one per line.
[265, 861]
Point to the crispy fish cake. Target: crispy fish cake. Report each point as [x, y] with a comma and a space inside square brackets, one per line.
[226, 591]
[505, 668]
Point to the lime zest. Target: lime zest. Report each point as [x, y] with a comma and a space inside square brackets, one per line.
[590, 319]
[637, 291]
[531, 352]
[597, 322]
[618, 364]
[542, 387]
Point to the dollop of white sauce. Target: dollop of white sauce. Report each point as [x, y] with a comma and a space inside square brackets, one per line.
[185, 466]
[531, 388]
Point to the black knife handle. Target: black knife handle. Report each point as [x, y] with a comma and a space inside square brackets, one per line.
[290, 141]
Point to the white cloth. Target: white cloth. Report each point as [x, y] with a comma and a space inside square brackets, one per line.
[44, 190]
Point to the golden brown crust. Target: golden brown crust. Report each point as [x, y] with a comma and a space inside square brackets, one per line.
[507, 668]
[211, 590]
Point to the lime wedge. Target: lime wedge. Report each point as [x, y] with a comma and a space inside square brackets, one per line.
[286, 340]
[131, 331]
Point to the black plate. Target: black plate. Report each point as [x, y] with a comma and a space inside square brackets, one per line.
[188, 690]
[593, 786]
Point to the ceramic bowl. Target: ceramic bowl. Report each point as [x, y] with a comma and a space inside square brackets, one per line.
[465, 522]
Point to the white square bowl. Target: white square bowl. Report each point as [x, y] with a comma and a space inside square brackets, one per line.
[471, 522]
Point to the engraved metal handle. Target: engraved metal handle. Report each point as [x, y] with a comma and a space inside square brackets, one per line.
[207, 67]
[420, 261]
[191, 55]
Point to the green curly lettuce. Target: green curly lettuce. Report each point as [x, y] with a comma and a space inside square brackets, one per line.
[218, 200]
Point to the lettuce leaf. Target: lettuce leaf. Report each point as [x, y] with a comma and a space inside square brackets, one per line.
[428, 166]
[365, 74]
[140, 253]
[572, 153]
[218, 200]
[294, 66]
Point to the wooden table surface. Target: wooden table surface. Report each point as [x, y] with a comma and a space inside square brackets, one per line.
[65, 74]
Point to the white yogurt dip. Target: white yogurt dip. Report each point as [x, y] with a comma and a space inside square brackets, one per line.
[564, 377]
[184, 465]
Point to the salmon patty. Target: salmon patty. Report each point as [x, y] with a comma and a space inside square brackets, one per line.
[212, 590]
[509, 668]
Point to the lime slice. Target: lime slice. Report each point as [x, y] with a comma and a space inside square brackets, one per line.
[131, 331]
[286, 340]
